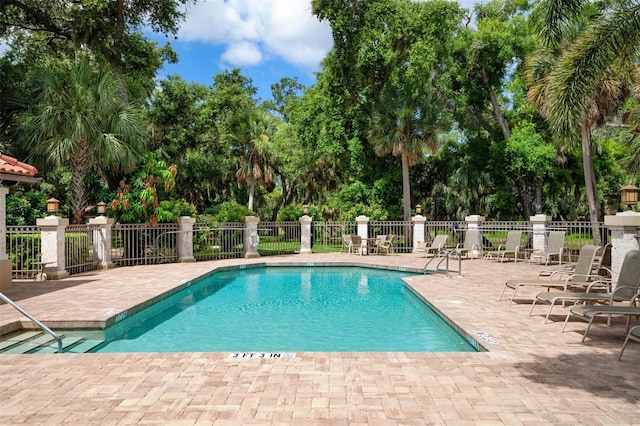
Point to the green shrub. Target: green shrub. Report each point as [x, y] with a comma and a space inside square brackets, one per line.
[229, 211]
[25, 251]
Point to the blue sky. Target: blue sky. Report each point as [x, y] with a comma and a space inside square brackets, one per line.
[266, 39]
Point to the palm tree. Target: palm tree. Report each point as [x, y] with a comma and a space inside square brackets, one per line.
[404, 123]
[257, 156]
[572, 90]
[78, 120]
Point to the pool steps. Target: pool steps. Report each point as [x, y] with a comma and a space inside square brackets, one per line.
[31, 342]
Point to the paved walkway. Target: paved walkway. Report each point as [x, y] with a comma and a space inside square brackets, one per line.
[532, 375]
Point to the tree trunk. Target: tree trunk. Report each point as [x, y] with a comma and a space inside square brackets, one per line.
[590, 182]
[406, 191]
[504, 125]
[79, 167]
[252, 191]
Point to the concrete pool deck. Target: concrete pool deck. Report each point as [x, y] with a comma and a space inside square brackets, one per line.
[533, 374]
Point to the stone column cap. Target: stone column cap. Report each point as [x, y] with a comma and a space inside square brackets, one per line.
[52, 221]
[101, 220]
[474, 218]
[540, 218]
[186, 220]
[418, 218]
[251, 219]
[362, 219]
[627, 218]
[305, 218]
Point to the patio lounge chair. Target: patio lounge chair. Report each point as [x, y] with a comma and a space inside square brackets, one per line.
[511, 247]
[436, 245]
[603, 266]
[555, 249]
[628, 284]
[561, 278]
[470, 243]
[634, 334]
[591, 312]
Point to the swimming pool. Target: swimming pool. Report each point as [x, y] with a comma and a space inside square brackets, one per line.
[290, 309]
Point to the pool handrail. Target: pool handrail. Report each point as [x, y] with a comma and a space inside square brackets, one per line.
[56, 336]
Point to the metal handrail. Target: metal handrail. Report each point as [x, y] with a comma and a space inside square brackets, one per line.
[445, 258]
[57, 337]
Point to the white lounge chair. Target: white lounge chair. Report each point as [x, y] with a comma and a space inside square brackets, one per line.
[510, 248]
[555, 249]
[562, 279]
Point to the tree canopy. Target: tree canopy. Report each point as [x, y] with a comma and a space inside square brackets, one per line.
[503, 111]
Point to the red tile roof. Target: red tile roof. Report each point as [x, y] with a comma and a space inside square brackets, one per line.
[10, 165]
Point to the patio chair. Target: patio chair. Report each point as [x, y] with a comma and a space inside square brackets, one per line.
[590, 312]
[377, 242]
[346, 243]
[561, 278]
[436, 245]
[555, 249]
[356, 244]
[510, 248]
[634, 334]
[470, 243]
[387, 244]
[628, 284]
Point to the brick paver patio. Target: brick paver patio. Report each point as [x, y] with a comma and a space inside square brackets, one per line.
[533, 374]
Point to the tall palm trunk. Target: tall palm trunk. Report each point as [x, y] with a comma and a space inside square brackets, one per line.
[252, 191]
[79, 168]
[590, 182]
[406, 191]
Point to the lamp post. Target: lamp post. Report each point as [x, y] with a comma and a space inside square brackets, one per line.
[418, 208]
[101, 207]
[52, 206]
[305, 209]
[629, 196]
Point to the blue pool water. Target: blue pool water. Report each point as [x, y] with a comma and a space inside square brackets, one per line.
[288, 309]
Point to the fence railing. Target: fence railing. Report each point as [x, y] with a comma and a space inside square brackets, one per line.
[401, 231]
[278, 238]
[326, 237]
[225, 241]
[24, 250]
[579, 233]
[141, 244]
[79, 251]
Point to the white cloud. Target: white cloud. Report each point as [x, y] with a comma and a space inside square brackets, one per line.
[254, 30]
[242, 53]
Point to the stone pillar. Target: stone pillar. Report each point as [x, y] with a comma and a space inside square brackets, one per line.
[363, 231]
[539, 224]
[474, 222]
[102, 240]
[184, 239]
[305, 234]
[251, 237]
[624, 229]
[5, 262]
[52, 238]
[418, 232]
[363, 226]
